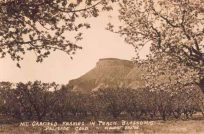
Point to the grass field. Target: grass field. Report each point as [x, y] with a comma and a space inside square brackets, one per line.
[158, 127]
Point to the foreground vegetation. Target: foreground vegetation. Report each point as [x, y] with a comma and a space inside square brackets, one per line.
[51, 102]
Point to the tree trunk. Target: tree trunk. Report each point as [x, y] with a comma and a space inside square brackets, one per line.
[201, 95]
[163, 115]
[201, 85]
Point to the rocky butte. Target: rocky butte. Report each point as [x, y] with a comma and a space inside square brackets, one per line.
[109, 72]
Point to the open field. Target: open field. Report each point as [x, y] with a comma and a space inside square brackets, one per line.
[156, 127]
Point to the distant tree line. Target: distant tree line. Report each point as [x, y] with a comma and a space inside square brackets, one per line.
[49, 101]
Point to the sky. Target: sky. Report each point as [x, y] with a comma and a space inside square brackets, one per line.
[58, 67]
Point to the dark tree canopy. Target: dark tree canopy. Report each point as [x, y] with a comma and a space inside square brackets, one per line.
[43, 26]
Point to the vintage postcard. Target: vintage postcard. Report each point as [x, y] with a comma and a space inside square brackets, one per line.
[102, 66]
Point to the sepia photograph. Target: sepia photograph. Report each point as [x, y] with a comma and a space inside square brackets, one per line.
[101, 66]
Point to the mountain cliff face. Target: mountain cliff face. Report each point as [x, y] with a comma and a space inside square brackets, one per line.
[109, 72]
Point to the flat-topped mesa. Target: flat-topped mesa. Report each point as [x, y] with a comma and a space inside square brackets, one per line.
[109, 72]
[113, 62]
